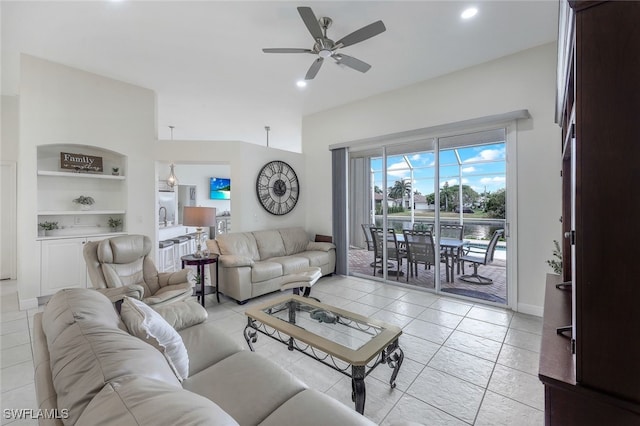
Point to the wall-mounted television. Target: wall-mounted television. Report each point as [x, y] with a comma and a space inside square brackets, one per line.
[220, 188]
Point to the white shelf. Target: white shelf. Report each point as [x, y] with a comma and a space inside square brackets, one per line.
[79, 175]
[77, 212]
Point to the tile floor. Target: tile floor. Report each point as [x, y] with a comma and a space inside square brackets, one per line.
[465, 364]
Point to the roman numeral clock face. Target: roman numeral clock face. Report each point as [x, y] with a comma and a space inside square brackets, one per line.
[277, 188]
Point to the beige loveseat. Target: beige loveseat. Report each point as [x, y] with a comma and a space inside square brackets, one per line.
[255, 263]
[90, 371]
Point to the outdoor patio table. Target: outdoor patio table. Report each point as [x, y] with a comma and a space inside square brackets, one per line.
[450, 246]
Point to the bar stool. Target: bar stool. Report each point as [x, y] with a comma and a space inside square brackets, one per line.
[166, 257]
[181, 248]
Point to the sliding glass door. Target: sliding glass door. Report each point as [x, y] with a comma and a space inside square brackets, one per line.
[435, 204]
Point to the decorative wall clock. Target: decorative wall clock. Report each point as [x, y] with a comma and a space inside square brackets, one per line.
[277, 188]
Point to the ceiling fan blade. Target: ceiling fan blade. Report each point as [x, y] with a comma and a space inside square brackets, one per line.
[362, 34]
[310, 20]
[313, 70]
[287, 50]
[352, 62]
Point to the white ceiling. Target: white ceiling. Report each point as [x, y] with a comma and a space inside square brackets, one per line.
[213, 82]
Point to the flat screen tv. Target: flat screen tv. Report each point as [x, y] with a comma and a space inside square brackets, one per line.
[220, 188]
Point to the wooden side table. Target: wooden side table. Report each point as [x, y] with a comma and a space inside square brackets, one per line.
[200, 263]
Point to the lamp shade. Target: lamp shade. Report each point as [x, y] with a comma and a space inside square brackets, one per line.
[199, 216]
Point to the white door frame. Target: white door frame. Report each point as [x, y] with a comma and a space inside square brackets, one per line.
[8, 221]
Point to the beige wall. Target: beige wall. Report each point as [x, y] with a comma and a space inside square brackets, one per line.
[525, 80]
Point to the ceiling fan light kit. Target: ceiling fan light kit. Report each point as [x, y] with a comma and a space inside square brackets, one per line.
[326, 48]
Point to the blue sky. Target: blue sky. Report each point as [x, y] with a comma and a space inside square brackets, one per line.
[483, 168]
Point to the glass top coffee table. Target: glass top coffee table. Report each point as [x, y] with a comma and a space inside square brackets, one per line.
[345, 341]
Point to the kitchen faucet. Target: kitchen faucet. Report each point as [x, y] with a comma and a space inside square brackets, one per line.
[165, 214]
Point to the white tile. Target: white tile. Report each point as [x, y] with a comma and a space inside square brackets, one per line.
[528, 323]
[463, 366]
[492, 316]
[14, 339]
[404, 308]
[429, 331]
[408, 372]
[374, 300]
[474, 345]
[20, 325]
[15, 355]
[417, 349]
[16, 376]
[423, 299]
[410, 409]
[524, 340]
[23, 397]
[390, 291]
[446, 305]
[361, 308]
[379, 400]
[483, 329]
[392, 318]
[454, 396]
[315, 374]
[497, 410]
[440, 317]
[522, 387]
[519, 359]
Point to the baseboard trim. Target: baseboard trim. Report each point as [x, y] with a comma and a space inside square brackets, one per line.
[25, 304]
[530, 309]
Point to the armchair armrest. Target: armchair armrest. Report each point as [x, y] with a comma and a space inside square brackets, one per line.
[118, 293]
[320, 246]
[234, 261]
[172, 278]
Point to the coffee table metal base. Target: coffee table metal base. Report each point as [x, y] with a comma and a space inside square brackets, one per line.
[392, 355]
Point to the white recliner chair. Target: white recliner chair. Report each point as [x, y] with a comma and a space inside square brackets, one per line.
[121, 266]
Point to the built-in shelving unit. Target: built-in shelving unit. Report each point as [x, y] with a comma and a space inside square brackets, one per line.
[62, 263]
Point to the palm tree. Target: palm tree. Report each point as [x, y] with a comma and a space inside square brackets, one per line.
[400, 189]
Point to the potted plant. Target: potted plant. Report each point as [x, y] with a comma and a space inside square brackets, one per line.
[115, 224]
[556, 262]
[84, 202]
[48, 226]
[115, 171]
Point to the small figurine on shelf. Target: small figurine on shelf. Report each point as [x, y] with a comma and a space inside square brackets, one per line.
[84, 202]
[115, 224]
[115, 171]
[48, 226]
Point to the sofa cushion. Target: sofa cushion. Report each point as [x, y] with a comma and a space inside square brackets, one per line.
[266, 270]
[241, 244]
[148, 325]
[311, 408]
[291, 264]
[183, 314]
[316, 258]
[135, 400]
[295, 240]
[247, 386]
[82, 329]
[206, 346]
[270, 244]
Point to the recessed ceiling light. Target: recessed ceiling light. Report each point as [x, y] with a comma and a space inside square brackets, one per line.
[301, 83]
[469, 13]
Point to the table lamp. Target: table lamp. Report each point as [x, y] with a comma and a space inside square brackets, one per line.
[199, 217]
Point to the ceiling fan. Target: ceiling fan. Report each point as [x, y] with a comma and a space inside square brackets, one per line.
[326, 48]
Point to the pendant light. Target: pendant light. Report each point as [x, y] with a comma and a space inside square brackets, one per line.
[172, 180]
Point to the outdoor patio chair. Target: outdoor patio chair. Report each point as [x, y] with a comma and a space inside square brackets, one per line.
[420, 249]
[366, 228]
[456, 232]
[475, 278]
[394, 252]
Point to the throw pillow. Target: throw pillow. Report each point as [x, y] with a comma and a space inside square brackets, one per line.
[146, 324]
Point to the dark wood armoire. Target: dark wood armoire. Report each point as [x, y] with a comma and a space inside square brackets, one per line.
[590, 354]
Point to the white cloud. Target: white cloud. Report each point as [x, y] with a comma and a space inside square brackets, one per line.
[469, 169]
[495, 179]
[488, 155]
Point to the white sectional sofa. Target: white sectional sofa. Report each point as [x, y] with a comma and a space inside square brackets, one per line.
[89, 370]
[255, 263]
